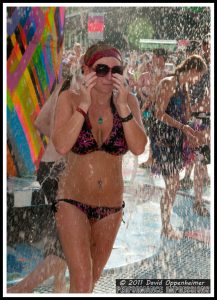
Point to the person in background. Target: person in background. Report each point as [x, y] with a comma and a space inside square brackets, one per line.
[199, 102]
[144, 69]
[147, 84]
[51, 165]
[77, 52]
[94, 128]
[168, 131]
[186, 183]
[200, 121]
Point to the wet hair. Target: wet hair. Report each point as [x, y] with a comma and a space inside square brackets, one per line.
[66, 84]
[161, 52]
[192, 62]
[65, 69]
[66, 75]
[99, 50]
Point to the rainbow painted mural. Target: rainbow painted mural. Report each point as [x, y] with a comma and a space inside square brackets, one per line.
[34, 53]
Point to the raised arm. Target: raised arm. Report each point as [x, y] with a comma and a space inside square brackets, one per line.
[67, 123]
[43, 120]
[67, 120]
[127, 106]
[134, 129]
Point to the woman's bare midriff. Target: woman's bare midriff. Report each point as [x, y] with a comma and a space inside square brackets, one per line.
[94, 179]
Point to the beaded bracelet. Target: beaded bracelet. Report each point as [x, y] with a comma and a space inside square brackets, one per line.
[127, 118]
[84, 114]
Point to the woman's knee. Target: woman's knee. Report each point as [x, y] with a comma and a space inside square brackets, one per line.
[172, 187]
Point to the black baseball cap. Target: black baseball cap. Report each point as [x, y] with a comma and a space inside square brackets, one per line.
[192, 46]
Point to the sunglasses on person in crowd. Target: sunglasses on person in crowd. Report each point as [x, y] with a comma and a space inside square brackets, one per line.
[102, 70]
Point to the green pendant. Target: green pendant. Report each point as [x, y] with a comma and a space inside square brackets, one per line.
[100, 120]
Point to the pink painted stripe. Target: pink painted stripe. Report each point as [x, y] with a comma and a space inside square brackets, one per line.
[13, 79]
[62, 15]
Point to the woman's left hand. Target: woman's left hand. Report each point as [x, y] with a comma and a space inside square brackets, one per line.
[201, 137]
[198, 140]
[121, 85]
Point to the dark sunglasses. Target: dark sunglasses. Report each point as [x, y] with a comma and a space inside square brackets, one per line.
[102, 70]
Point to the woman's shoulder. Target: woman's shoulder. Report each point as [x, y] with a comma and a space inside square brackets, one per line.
[168, 82]
[166, 87]
[68, 97]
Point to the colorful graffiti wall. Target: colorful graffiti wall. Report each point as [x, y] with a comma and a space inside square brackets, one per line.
[34, 54]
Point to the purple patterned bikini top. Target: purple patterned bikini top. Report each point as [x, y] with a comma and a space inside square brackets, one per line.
[115, 144]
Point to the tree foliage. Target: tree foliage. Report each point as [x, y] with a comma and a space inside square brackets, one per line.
[140, 28]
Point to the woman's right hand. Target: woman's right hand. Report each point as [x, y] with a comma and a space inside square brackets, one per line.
[87, 83]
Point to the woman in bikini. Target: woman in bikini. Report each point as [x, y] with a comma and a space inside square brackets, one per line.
[169, 131]
[94, 128]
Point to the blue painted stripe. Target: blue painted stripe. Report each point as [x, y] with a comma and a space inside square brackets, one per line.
[45, 69]
[49, 54]
[25, 13]
[19, 15]
[31, 30]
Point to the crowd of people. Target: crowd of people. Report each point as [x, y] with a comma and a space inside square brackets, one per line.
[106, 104]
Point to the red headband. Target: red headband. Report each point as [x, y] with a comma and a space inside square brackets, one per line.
[112, 52]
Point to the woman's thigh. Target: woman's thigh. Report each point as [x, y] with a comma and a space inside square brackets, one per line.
[74, 232]
[103, 234]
